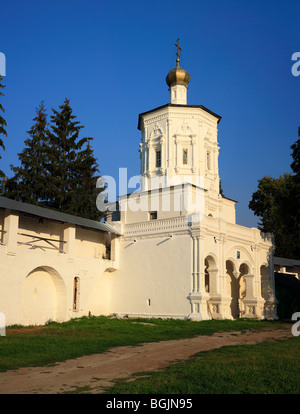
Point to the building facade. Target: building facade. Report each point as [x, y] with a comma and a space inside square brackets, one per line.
[181, 252]
[53, 266]
[171, 250]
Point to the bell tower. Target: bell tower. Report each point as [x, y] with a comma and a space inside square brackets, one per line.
[179, 141]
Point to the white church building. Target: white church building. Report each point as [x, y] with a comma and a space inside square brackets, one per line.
[172, 249]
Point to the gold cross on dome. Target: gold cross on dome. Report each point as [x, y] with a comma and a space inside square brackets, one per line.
[178, 48]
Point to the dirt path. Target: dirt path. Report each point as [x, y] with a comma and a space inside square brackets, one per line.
[100, 370]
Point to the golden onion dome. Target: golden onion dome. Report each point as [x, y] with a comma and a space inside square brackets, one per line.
[178, 76]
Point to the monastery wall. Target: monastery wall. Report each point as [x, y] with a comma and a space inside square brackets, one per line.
[51, 270]
[155, 277]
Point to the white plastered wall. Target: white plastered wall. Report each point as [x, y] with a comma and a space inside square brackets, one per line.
[37, 278]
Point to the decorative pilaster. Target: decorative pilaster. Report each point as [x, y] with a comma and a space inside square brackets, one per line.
[252, 305]
[198, 297]
[69, 241]
[11, 225]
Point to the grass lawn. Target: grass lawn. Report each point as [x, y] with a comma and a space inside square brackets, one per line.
[265, 368]
[29, 346]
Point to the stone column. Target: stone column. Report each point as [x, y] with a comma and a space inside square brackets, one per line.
[199, 297]
[163, 154]
[195, 266]
[250, 279]
[252, 304]
[213, 282]
[176, 154]
[193, 142]
[145, 149]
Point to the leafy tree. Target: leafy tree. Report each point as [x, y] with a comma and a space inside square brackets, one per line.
[29, 184]
[277, 203]
[296, 156]
[2, 131]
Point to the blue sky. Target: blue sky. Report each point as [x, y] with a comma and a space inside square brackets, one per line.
[110, 58]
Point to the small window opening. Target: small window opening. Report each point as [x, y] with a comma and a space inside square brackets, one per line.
[208, 160]
[153, 215]
[158, 159]
[108, 251]
[185, 156]
[76, 295]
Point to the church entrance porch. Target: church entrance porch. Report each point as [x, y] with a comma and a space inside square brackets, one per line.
[231, 296]
[240, 287]
[235, 288]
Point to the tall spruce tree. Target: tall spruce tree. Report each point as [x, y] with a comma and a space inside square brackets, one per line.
[72, 166]
[29, 184]
[2, 133]
[85, 177]
[57, 168]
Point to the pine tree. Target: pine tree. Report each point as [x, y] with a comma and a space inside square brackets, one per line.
[2, 133]
[29, 184]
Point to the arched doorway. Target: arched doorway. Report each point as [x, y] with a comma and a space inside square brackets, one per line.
[43, 297]
[211, 270]
[233, 288]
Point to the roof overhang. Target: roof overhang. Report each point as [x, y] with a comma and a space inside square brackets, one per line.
[7, 203]
[179, 106]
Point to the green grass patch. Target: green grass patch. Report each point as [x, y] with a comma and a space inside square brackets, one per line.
[54, 342]
[265, 368]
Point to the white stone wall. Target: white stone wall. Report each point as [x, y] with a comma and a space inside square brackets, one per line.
[155, 276]
[165, 260]
[37, 277]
